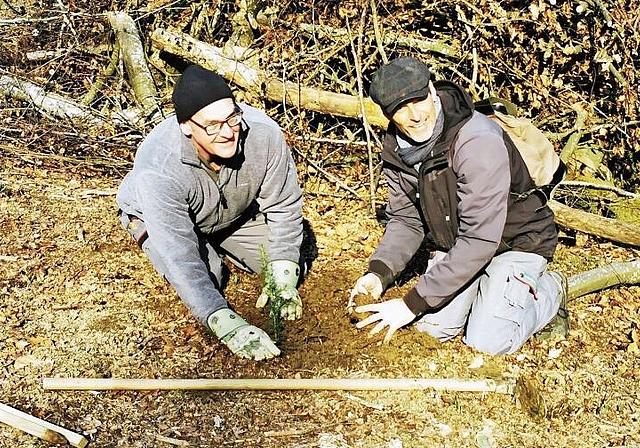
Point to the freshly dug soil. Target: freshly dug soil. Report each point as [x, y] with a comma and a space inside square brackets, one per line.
[79, 299]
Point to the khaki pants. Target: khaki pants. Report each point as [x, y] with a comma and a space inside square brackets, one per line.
[513, 298]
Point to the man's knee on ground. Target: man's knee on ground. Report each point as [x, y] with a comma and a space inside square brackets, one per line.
[490, 344]
[439, 332]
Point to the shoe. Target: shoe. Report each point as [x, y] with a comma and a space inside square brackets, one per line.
[559, 324]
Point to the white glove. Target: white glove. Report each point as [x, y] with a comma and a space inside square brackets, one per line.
[285, 274]
[241, 338]
[392, 313]
[368, 284]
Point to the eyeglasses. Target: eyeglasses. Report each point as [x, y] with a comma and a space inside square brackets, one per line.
[215, 127]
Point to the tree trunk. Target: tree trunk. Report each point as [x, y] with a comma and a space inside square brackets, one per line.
[611, 229]
[604, 277]
[135, 62]
[255, 81]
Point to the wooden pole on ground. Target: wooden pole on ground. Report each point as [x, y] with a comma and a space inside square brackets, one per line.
[40, 428]
[443, 384]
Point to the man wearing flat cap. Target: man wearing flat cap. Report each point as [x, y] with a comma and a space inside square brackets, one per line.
[457, 183]
[217, 180]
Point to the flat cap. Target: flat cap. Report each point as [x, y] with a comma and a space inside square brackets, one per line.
[401, 80]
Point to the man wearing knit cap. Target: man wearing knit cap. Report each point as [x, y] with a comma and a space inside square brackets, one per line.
[217, 180]
[457, 183]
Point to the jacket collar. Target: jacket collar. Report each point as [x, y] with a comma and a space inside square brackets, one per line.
[457, 108]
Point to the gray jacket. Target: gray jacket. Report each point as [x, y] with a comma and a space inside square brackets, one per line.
[467, 199]
[170, 189]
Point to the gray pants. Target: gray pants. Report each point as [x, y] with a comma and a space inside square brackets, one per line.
[241, 243]
[511, 300]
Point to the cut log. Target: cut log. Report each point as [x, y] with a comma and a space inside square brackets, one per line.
[40, 428]
[47, 103]
[52, 104]
[445, 384]
[602, 278]
[611, 229]
[185, 46]
[135, 62]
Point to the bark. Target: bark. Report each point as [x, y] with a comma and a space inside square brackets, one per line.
[391, 39]
[47, 103]
[611, 229]
[256, 81]
[602, 278]
[135, 62]
[52, 104]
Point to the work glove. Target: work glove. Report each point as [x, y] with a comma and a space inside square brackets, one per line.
[368, 284]
[241, 338]
[393, 313]
[285, 275]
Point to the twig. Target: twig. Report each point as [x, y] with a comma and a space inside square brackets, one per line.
[365, 403]
[288, 433]
[330, 176]
[65, 17]
[376, 31]
[365, 123]
[331, 140]
[618, 191]
[171, 440]
[88, 98]
[435, 46]
[13, 8]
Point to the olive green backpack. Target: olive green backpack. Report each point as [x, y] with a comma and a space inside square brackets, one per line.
[544, 165]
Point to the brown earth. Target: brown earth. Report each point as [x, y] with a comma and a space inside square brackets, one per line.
[78, 299]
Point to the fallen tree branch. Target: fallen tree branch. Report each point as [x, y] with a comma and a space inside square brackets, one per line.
[602, 278]
[60, 106]
[40, 428]
[432, 45]
[595, 186]
[185, 46]
[611, 229]
[135, 62]
[47, 103]
[96, 87]
[445, 384]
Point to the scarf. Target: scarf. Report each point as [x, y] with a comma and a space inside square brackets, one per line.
[414, 153]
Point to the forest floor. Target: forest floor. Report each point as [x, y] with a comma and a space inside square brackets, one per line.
[79, 299]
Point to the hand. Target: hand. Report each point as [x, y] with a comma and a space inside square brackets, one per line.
[368, 284]
[285, 275]
[241, 338]
[392, 313]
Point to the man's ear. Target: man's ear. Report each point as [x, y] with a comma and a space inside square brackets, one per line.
[186, 128]
[432, 89]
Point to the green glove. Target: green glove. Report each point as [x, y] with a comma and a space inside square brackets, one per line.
[241, 338]
[285, 274]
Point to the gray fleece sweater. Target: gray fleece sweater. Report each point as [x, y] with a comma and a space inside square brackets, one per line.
[170, 190]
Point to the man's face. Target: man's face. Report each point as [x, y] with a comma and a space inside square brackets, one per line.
[222, 144]
[416, 118]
